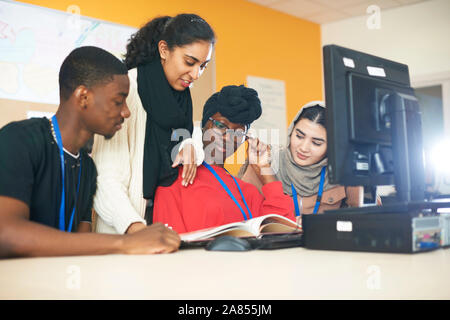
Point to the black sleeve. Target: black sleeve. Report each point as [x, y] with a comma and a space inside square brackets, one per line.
[16, 164]
[92, 187]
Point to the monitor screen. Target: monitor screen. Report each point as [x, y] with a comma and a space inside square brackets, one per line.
[374, 129]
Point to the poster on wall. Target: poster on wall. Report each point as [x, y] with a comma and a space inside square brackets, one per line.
[271, 126]
[34, 42]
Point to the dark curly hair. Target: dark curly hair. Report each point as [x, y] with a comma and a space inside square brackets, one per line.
[238, 104]
[176, 31]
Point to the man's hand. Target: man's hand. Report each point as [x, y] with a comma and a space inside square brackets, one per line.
[187, 158]
[20, 237]
[155, 238]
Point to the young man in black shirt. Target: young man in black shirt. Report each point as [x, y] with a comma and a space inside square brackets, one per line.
[47, 179]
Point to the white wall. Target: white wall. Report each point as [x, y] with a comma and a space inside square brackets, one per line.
[417, 35]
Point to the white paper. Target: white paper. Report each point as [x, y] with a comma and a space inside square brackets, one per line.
[271, 126]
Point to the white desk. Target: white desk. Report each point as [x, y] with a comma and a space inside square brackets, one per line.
[198, 274]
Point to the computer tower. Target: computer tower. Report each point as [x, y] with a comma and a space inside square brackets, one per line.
[372, 232]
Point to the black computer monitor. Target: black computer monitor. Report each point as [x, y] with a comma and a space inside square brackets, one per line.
[374, 126]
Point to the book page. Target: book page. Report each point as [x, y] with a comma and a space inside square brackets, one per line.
[278, 224]
[212, 232]
[278, 228]
[253, 225]
[271, 223]
[238, 233]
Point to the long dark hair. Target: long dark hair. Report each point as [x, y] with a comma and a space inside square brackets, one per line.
[177, 31]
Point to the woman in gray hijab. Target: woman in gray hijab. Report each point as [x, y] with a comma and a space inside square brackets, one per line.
[301, 165]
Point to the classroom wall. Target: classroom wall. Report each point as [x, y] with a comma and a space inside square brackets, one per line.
[417, 35]
[251, 40]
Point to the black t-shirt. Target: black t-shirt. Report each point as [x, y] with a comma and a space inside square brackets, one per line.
[30, 171]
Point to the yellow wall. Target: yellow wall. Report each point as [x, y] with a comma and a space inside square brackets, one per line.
[251, 40]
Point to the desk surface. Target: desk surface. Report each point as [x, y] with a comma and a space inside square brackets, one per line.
[296, 273]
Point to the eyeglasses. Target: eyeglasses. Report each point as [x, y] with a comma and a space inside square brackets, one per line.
[223, 129]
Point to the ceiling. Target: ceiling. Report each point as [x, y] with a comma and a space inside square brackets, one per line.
[326, 11]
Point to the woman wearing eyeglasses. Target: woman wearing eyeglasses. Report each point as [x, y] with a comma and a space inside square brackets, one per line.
[302, 166]
[164, 58]
[216, 197]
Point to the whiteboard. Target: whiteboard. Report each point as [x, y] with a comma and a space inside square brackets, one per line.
[34, 42]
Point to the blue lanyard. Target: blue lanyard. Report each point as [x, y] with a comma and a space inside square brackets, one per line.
[62, 214]
[229, 191]
[319, 194]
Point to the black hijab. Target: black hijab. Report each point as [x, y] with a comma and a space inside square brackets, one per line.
[167, 109]
[238, 104]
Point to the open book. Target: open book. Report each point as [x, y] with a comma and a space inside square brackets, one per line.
[268, 224]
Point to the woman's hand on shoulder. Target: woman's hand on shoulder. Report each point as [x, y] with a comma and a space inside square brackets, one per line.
[187, 158]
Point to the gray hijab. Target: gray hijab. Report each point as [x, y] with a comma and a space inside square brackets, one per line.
[305, 179]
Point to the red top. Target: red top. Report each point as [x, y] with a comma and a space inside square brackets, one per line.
[206, 204]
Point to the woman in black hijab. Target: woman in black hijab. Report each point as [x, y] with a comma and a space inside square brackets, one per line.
[164, 57]
[218, 198]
